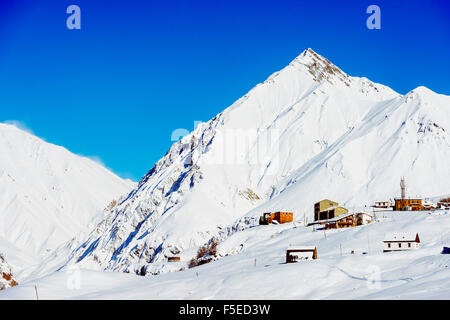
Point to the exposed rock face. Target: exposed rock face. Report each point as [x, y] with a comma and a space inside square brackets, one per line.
[6, 276]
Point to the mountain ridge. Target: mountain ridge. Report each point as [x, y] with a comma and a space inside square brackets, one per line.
[306, 124]
[49, 194]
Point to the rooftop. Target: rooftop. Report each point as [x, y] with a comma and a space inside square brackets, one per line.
[302, 248]
[401, 236]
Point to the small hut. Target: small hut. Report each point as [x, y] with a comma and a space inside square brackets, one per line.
[295, 254]
[173, 259]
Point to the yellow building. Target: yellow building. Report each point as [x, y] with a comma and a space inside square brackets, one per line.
[327, 209]
[323, 205]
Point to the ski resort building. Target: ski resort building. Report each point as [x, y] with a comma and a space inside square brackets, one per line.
[295, 254]
[332, 213]
[284, 217]
[321, 206]
[405, 204]
[408, 205]
[343, 221]
[401, 242]
[280, 217]
[383, 204]
[363, 218]
[327, 209]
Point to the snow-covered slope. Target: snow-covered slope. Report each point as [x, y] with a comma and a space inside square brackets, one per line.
[406, 136]
[308, 132]
[258, 270]
[47, 194]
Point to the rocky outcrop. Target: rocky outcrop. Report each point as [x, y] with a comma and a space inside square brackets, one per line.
[6, 276]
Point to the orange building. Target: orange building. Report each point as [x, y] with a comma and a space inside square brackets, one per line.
[280, 217]
[284, 217]
[408, 205]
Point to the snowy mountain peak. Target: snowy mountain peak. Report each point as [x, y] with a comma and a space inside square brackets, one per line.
[422, 92]
[321, 68]
[308, 132]
[311, 55]
[49, 194]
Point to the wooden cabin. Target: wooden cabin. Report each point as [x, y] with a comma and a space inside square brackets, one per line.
[173, 259]
[295, 254]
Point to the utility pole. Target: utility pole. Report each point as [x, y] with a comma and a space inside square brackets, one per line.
[340, 246]
[36, 290]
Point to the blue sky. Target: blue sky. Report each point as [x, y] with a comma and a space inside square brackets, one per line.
[138, 70]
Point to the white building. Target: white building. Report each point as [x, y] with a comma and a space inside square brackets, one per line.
[401, 242]
[384, 204]
[363, 218]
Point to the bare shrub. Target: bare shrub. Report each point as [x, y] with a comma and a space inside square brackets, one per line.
[205, 254]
